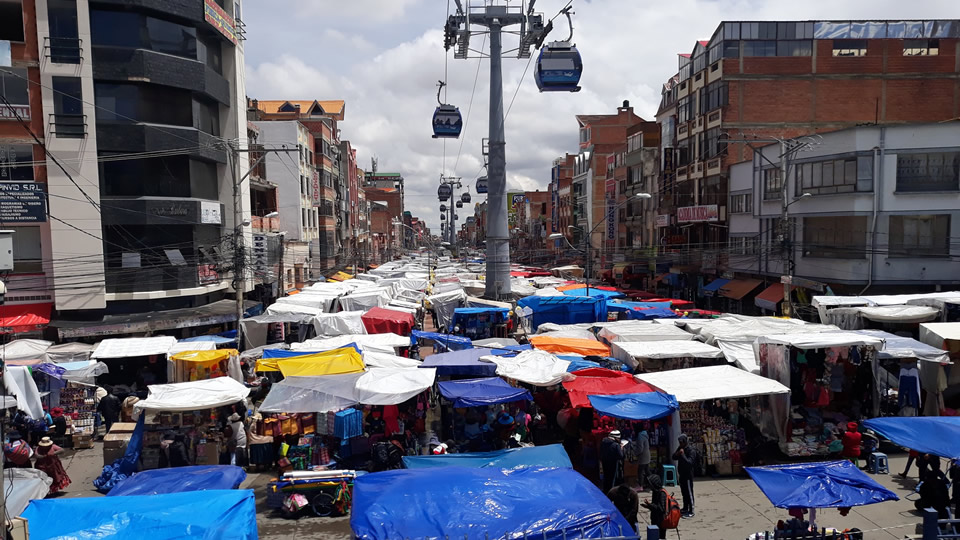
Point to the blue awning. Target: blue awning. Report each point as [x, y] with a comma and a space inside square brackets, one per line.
[645, 406]
[552, 455]
[594, 293]
[937, 435]
[180, 479]
[829, 484]
[652, 313]
[466, 363]
[711, 288]
[471, 503]
[449, 342]
[480, 392]
[565, 309]
[219, 340]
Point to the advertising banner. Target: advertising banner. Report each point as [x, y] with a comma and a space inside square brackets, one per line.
[693, 214]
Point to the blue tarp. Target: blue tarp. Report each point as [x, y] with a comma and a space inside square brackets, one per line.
[181, 479]
[481, 310]
[219, 340]
[448, 341]
[937, 435]
[622, 305]
[465, 362]
[552, 455]
[481, 392]
[285, 353]
[825, 484]
[565, 309]
[652, 313]
[576, 363]
[474, 504]
[123, 467]
[644, 406]
[715, 285]
[208, 515]
[594, 293]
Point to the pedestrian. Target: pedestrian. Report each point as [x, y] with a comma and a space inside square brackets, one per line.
[48, 461]
[912, 457]
[643, 458]
[238, 441]
[686, 458]
[627, 502]
[611, 459]
[955, 480]
[17, 453]
[933, 491]
[657, 504]
[851, 443]
[923, 466]
[109, 407]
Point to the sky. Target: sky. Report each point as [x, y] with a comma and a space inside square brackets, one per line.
[384, 58]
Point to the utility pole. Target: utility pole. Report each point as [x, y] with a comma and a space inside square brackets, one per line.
[494, 17]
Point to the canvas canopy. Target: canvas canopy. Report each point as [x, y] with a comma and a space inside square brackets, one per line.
[940, 334]
[475, 503]
[643, 331]
[563, 309]
[644, 406]
[601, 382]
[381, 386]
[559, 345]
[385, 342]
[333, 362]
[538, 368]
[466, 362]
[130, 347]
[21, 350]
[828, 484]
[290, 308]
[481, 392]
[69, 352]
[83, 372]
[443, 305]
[443, 341]
[374, 359]
[900, 314]
[633, 353]
[551, 455]
[365, 300]
[179, 480]
[937, 435]
[216, 340]
[903, 347]
[335, 324]
[192, 514]
[576, 333]
[823, 340]
[711, 382]
[22, 486]
[380, 320]
[192, 396]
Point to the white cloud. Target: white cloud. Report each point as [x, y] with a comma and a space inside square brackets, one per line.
[629, 49]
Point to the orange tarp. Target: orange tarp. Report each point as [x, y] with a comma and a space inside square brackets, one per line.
[561, 345]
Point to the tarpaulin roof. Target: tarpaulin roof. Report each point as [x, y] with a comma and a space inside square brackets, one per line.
[629, 352]
[646, 314]
[577, 333]
[381, 320]
[180, 479]
[22, 486]
[900, 314]
[481, 310]
[770, 297]
[643, 331]
[565, 309]
[465, 362]
[480, 392]
[218, 355]
[622, 305]
[712, 382]
[937, 435]
[551, 455]
[193, 514]
[380, 386]
[129, 347]
[385, 342]
[645, 406]
[337, 361]
[715, 285]
[376, 359]
[538, 368]
[738, 288]
[24, 317]
[193, 396]
[219, 340]
[904, 347]
[823, 340]
[289, 308]
[602, 382]
[586, 347]
[478, 503]
[69, 352]
[448, 341]
[937, 333]
[593, 293]
[21, 350]
[335, 324]
[828, 484]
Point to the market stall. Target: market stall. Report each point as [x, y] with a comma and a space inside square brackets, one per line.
[560, 345]
[439, 342]
[343, 322]
[465, 363]
[307, 363]
[481, 392]
[936, 435]
[274, 327]
[901, 358]
[538, 310]
[537, 368]
[599, 381]
[385, 342]
[551, 455]
[198, 365]
[481, 322]
[179, 480]
[642, 331]
[936, 380]
[648, 356]
[380, 320]
[135, 362]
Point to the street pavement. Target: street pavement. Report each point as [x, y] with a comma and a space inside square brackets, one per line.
[726, 508]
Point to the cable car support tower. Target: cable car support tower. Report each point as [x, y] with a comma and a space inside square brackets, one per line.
[492, 17]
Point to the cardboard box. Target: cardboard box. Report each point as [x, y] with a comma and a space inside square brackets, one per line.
[82, 440]
[208, 453]
[123, 427]
[112, 454]
[116, 440]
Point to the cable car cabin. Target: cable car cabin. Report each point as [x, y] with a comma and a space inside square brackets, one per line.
[444, 192]
[459, 204]
[559, 68]
[443, 217]
[447, 122]
[482, 185]
[443, 208]
[465, 198]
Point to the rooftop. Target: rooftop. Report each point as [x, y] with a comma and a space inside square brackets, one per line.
[332, 108]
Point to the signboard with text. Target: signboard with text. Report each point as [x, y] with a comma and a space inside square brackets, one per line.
[207, 274]
[315, 194]
[693, 214]
[219, 19]
[611, 219]
[23, 202]
[663, 220]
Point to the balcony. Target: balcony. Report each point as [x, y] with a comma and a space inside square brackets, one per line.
[265, 224]
[60, 50]
[713, 166]
[68, 126]
[714, 118]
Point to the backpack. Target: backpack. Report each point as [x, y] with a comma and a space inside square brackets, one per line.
[671, 515]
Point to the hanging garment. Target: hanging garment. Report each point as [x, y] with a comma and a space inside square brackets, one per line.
[391, 416]
[909, 395]
[855, 356]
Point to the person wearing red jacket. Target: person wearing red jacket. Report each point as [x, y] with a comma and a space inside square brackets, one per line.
[851, 443]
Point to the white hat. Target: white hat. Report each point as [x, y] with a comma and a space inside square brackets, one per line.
[615, 433]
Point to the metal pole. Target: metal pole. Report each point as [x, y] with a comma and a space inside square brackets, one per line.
[238, 255]
[498, 238]
[785, 229]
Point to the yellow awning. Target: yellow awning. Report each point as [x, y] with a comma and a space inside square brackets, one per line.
[335, 362]
[204, 357]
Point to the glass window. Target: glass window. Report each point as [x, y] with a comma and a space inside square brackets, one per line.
[16, 162]
[127, 102]
[835, 237]
[795, 48]
[27, 253]
[116, 102]
[921, 47]
[849, 47]
[731, 30]
[684, 109]
[772, 185]
[741, 204]
[933, 171]
[206, 117]
[209, 52]
[760, 48]
[115, 28]
[836, 176]
[731, 49]
[767, 30]
[11, 20]
[699, 62]
[865, 173]
[68, 107]
[14, 86]
[920, 236]
[64, 42]
[120, 29]
[169, 176]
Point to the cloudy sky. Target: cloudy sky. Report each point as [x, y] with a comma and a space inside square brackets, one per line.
[384, 58]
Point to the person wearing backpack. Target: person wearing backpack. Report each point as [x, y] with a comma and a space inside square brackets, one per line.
[686, 458]
[657, 504]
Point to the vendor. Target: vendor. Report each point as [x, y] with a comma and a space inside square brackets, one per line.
[851, 443]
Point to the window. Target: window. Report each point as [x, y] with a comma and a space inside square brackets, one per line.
[68, 107]
[835, 237]
[772, 184]
[836, 176]
[11, 20]
[15, 162]
[849, 47]
[712, 144]
[743, 245]
[758, 30]
[684, 71]
[124, 29]
[14, 86]
[64, 36]
[584, 134]
[206, 117]
[741, 204]
[135, 103]
[759, 48]
[789, 30]
[713, 96]
[731, 30]
[209, 52]
[933, 171]
[921, 47]
[27, 255]
[731, 49]
[920, 236]
[685, 109]
[699, 62]
[795, 48]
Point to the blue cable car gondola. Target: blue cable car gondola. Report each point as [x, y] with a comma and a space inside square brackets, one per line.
[559, 65]
[465, 198]
[444, 192]
[482, 184]
[447, 121]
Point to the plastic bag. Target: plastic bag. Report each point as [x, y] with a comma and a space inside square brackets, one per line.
[284, 448]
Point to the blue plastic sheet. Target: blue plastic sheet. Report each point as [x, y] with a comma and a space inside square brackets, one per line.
[209, 515]
[480, 392]
[576, 363]
[180, 479]
[623, 305]
[481, 310]
[123, 467]
[827, 484]
[219, 340]
[594, 293]
[715, 285]
[565, 309]
[650, 314]
[285, 353]
[937, 435]
[645, 406]
[474, 504]
[466, 362]
[552, 455]
[447, 341]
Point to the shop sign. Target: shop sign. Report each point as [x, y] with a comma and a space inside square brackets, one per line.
[689, 214]
[10, 112]
[663, 220]
[219, 19]
[611, 219]
[315, 189]
[23, 202]
[207, 274]
[210, 213]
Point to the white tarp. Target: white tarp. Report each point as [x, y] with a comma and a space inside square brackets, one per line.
[473, 301]
[363, 301]
[742, 328]
[903, 347]
[335, 324]
[576, 333]
[538, 368]
[633, 353]
[900, 314]
[823, 340]
[554, 327]
[445, 303]
[24, 349]
[936, 299]
[323, 302]
[192, 396]
[374, 359]
[936, 334]
[495, 343]
[285, 308]
[740, 353]
[18, 382]
[83, 372]
[548, 291]
[130, 347]
[642, 331]
[711, 382]
[22, 486]
[386, 342]
[69, 352]
[381, 386]
[189, 346]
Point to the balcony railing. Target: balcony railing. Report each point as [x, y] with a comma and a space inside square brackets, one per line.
[61, 50]
[68, 125]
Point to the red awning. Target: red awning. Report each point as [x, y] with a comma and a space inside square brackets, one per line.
[24, 318]
[738, 288]
[771, 297]
[601, 382]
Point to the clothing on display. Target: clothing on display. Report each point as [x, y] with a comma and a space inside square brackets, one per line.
[909, 387]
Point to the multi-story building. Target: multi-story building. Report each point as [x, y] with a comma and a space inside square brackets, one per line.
[535, 226]
[870, 208]
[779, 80]
[266, 248]
[387, 189]
[561, 180]
[635, 172]
[113, 98]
